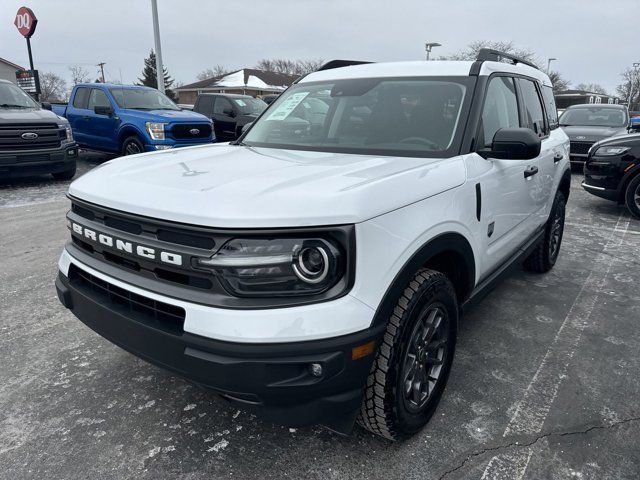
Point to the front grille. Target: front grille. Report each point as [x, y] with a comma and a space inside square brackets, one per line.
[48, 136]
[145, 310]
[580, 148]
[184, 131]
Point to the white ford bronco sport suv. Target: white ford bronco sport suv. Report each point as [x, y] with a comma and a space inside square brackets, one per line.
[316, 268]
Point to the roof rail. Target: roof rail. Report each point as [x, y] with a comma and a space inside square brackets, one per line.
[340, 63]
[488, 54]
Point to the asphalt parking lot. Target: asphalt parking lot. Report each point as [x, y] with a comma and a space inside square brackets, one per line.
[545, 383]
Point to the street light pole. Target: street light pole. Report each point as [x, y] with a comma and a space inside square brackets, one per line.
[429, 46]
[549, 60]
[156, 38]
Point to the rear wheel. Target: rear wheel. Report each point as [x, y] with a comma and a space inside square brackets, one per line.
[66, 175]
[412, 365]
[132, 145]
[544, 257]
[632, 196]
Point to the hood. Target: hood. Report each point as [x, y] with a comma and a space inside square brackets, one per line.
[592, 134]
[242, 187]
[168, 116]
[629, 140]
[35, 115]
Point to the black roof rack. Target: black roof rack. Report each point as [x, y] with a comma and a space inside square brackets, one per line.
[488, 54]
[340, 63]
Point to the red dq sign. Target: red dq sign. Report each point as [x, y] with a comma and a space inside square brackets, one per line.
[25, 22]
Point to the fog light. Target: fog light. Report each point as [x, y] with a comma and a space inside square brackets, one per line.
[315, 369]
[163, 147]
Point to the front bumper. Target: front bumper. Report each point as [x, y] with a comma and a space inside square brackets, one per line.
[35, 162]
[274, 378]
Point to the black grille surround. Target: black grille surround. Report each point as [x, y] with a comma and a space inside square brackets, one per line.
[580, 148]
[46, 136]
[186, 282]
[185, 131]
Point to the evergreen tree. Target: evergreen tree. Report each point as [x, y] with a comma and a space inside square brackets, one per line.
[150, 79]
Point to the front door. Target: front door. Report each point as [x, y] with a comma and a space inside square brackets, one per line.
[224, 120]
[102, 132]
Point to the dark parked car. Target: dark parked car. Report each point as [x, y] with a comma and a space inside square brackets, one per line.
[229, 112]
[589, 123]
[268, 99]
[33, 140]
[612, 171]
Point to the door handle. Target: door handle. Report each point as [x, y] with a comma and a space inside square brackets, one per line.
[557, 157]
[530, 171]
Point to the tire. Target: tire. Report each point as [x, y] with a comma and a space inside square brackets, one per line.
[544, 257]
[632, 196]
[132, 145]
[66, 175]
[394, 404]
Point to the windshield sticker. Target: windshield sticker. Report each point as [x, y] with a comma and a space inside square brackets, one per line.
[240, 102]
[288, 106]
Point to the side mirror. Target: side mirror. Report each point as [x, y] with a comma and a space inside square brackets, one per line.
[246, 127]
[46, 105]
[100, 110]
[228, 112]
[513, 144]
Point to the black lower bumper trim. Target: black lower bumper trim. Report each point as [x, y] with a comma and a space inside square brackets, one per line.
[37, 162]
[273, 378]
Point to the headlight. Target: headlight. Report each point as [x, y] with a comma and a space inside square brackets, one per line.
[156, 130]
[277, 267]
[67, 129]
[608, 151]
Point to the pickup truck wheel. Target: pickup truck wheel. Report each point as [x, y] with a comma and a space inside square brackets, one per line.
[632, 196]
[131, 146]
[413, 361]
[66, 175]
[544, 257]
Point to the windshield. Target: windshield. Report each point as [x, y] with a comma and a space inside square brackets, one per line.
[142, 99]
[401, 117]
[12, 96]
[594, 117]
[249, 106]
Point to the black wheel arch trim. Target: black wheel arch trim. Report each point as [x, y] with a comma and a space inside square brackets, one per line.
[625, 180]
[445, 242]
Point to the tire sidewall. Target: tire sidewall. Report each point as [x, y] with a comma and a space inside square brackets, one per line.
[632, 186]
[558, 202]
[131, 139]
[437, 291]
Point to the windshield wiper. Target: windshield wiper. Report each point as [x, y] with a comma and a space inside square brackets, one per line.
[11, 105]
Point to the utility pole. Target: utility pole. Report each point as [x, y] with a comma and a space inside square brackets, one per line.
[101, 65]
[156, 38]
[429, 46]
[549, 60]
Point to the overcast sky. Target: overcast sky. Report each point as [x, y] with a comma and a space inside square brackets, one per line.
[592, 40]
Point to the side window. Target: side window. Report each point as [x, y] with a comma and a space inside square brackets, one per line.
[98, 98]
[533, 113]
[205, 104]
[550, 105]
[500, 109]
[81, 97]
[221, 105]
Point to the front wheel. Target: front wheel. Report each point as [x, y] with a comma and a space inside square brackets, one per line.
[412, 365]
[131, 146]
[544, 257]
[632, 196]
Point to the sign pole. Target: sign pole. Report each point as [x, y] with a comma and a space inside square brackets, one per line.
[156, 38]
[37, 94]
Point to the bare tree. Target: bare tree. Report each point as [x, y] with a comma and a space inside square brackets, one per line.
[79, 74]
[291, 67]
[216, 71]
[630, 85]
[558, 81]
[52, 87]
[592, 87]
[471, 51]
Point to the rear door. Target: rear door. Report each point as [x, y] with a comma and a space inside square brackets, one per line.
[224, 120]
[77, 114]
[101, 128]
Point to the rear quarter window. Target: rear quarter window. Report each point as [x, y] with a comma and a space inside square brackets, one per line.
[81, 98]
[550, 106]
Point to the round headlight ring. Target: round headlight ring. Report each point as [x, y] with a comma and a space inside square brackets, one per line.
[304, 272]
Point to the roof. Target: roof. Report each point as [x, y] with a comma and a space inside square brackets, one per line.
[14, 65]
[446, 68]
[111, 85]
[581, 92]
[598, 105]
[245, 78]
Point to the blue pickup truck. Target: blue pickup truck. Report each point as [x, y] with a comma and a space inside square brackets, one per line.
[128, 119]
